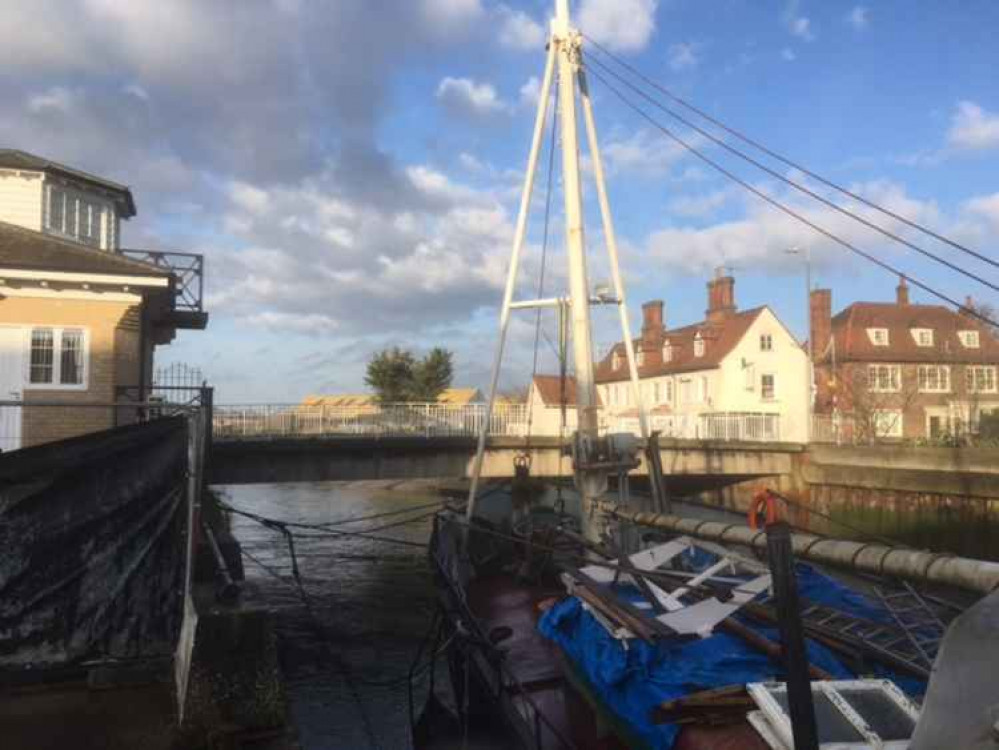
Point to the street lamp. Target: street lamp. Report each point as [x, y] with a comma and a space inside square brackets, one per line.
[806, 253]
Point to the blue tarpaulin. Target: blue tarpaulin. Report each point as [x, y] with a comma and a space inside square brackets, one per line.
[632, 681]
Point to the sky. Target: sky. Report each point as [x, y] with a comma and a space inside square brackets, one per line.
[351, 170]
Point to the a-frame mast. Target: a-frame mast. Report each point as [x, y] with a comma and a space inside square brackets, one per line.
[592, 458]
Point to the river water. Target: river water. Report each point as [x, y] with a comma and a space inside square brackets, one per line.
[374, 600]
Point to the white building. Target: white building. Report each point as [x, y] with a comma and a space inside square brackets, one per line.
[734, 375]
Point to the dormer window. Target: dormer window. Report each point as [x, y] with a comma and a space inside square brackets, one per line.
[969, 339]
[616, 361]
[698, 345]
[923, 336]
[77, 215]
[878, 336]
[667, 352]
[640, 357]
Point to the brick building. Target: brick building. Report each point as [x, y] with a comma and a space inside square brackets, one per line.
[899, 370]
[79, 317]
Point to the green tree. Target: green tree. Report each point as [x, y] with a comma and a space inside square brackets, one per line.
[396, 376]
[390, 375]
[432, 375]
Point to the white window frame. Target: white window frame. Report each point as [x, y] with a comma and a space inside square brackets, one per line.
[640, 357]
[702, 389]
[969, 339]
[668, 391]
[922, 336]
[942, 384]
[616, 361]
[880, 417]
[879, 336]
[766, 342]
[57, 334]
[971, 379]
[773, 386]
[698, 345]
[894, 378]
[667, 352]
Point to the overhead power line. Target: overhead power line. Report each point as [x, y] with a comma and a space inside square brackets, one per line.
[789, 162]
[786, 209]
[796, 185]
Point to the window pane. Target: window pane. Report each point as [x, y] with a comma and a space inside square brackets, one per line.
[71, 358]
[56, 198]
[41, 355]
[71, 215]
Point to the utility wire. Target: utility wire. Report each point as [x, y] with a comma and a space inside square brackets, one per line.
[789, 211]
[784, 160]
[796, 185]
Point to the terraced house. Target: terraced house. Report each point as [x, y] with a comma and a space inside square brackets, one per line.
[80, 316]
[897, 370]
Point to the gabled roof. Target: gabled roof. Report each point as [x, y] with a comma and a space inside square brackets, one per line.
[719, 339]
[852, 342]
[549, 388]
[341, 399]
[459, 396]
[36, 251]
[12, 158]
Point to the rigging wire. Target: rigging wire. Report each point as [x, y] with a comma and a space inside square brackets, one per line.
[786, 209]
[796, 185]
[788, 162]
[544, 259]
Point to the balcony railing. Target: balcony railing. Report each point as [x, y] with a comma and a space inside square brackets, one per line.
[187, 268]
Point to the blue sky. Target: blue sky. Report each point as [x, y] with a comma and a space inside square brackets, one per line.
[351, 169]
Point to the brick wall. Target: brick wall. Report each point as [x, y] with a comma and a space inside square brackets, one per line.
[113, 335]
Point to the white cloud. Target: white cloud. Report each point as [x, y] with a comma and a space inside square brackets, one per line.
[986, 207]
[645, 152]
[700, 206]
[467, 97]
[518, 31]
[973, 128]
[530, 92]
[683, 56]
[859, 18]
[622, 25]
[788, 54]
[450, 17]
[57, 98]
[801, 27]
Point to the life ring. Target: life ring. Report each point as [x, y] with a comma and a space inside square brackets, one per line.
[764, 504]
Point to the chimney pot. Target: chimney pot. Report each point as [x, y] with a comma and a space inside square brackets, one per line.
[902, 291]
[721, 297]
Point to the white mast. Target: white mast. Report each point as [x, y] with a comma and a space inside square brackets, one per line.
[592, 459]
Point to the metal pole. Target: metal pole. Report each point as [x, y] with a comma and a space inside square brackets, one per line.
[792, 637]
[809, 403]
[567, 43]
[511, 279]
[611, 240]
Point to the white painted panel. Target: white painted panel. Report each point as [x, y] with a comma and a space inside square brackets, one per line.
[12, 362]
[21, 199]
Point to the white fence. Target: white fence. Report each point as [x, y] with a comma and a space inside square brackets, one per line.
[451, 420]
[399, 420]
[741, 426]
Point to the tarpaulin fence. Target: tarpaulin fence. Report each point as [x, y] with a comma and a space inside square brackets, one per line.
[93, 546]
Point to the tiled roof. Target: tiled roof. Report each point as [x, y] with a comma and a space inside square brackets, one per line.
[459, 396]
[37, 251]
[549, 388]
[12, 158]
[340, 399]
[852, 342]
[719, 339]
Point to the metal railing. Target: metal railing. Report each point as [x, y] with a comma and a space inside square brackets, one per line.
[235, 422]
[253, 421]
[187, 268]
[722, 425]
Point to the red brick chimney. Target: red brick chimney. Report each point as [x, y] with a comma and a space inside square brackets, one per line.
[820, 323]
[902, 292]
[652, 324]
[721, 297]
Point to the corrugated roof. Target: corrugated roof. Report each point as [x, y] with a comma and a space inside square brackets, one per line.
[719, 339]
[852, 342]
[12, 158]
[37, 251]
